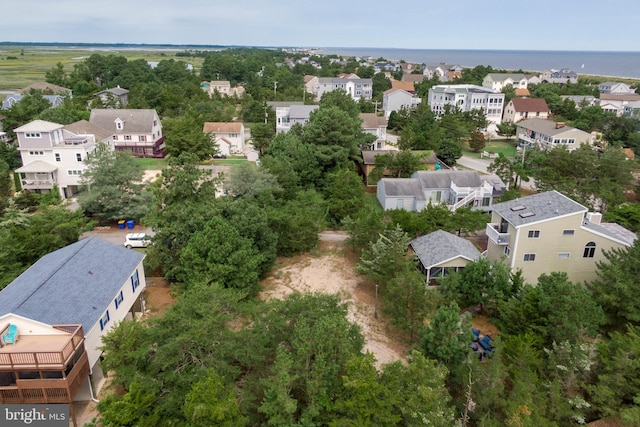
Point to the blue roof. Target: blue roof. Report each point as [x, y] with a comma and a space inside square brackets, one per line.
[72, 285]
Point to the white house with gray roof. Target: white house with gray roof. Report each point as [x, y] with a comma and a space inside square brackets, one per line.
[498, 81]
[136, 130]
[549, 134]
[560, 76]
[467, 98]
[548, 232]
[53, 155]
[441, 253]
[454, 188]
[289, 115]
[355, 87]
[92, 282]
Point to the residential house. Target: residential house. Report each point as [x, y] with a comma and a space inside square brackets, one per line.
[467, 98]
[445, 72]
[632, 110]
[441, 253]
[376, 126]
[428, 160]
[54, 155]
[47, 88]
[616, 102]
[455, 188]
[222, 87]
[408, 68]
[561, 76]
[137, 131]
[396, 99]
[581, 101]
[311, 85]
[228, 137]
[523, 108]
[522, 93]
[411, 78]
[615, 87]
[382, 67]
[355, 87]
[11, 100]
[548, 232]
[115, 97]
[406, 86]
[41, 363]
[498, 81]
[550, 134]
[91, 283]
[294, 113]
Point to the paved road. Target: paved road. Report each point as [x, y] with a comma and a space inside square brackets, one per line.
[479, 165]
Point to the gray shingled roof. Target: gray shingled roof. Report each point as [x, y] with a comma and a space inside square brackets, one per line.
[135, 120]
[301, 111]
[543, 206]
[546, 127]
[83, 127]
[72, 285]
[444, 178]
[613, 231]
[440, 246]
[402, 187]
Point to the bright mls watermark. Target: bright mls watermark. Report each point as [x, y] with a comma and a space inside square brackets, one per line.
[34, 415]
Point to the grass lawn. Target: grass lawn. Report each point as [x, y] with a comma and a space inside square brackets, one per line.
[152, 164]
[504, 146]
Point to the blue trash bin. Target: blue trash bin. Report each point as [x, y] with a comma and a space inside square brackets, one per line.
[121, 224]
[130, 224]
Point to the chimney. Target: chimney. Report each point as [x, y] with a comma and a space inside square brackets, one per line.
[594, 217]
[559, 125]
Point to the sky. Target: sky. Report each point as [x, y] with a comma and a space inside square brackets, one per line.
[417, 24]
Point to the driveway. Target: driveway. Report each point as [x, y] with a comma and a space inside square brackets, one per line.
[114, 234]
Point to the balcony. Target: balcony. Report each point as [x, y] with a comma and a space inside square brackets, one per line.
[47, 368]
[501, 239]
[37, 184]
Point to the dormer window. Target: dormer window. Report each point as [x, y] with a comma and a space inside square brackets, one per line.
[119, 124]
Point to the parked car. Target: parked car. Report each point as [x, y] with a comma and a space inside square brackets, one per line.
[137, 240]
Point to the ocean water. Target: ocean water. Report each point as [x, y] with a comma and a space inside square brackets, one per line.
[615, 64]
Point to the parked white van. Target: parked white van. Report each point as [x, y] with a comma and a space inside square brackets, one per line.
[137, 240]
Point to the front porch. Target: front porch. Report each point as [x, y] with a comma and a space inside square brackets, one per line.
[38, 175]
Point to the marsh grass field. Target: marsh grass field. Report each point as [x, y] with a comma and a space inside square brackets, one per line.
[22, 65]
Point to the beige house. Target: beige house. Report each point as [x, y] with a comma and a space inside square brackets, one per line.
[498, 81]
[376, 126]
[523, 108]
[549, 232]
[228, 137]
[311, 85]
[223, 87]
[550, 134]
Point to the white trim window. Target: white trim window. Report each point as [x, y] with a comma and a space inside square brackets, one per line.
[529, 257]
[533, 234]
[135, 281]
[36, 153]
[32, 135]
[78, 157]
[57, 157]
[104, 320]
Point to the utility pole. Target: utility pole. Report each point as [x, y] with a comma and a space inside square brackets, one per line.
[275, 89]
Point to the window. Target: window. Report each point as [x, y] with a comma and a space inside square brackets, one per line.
[57, 157]
[127, 137]
[115, 137]
[74, 172]
[78, 157]
[135, 281]
[507, 250]
[119, 124]
[36, 153]
[568, 232]
[32, 135]
[104, 320]
[529, 257]
[563, 255]
[534, 234]
[119, 299]
[142, 138]
[589, 250]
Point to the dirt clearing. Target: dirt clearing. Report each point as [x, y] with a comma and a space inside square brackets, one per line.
[331, 269]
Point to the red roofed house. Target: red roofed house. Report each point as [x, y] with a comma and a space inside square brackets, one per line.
[525, 108]
[227, 136]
